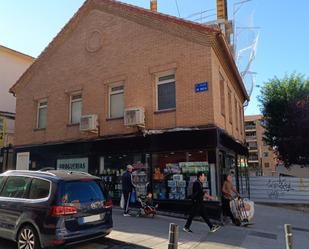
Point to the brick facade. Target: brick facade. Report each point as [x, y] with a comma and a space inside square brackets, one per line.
[101, 48]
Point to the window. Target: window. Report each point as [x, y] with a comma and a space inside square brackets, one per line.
[116, 101]
[1, 182]
[39, 189]
[241, 123]
[42, 114]
[166, 94]
[175, 172]
[266, 165]
[16, 187]
[75, 108]
[236, 112]
[265, 154]
[82, 192]
[230, 105]
[222, 95]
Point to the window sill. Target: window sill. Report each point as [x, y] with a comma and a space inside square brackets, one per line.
[164, 111]
[39, 129]
[72, 125]
[110, 119]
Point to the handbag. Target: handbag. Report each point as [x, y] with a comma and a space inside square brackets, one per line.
[122, 201]
[133, 197]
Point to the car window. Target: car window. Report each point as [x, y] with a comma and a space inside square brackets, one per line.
[82, 192]
[16, 187]
[39, 189]
[1, 182]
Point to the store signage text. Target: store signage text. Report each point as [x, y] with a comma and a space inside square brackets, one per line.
[73, 164]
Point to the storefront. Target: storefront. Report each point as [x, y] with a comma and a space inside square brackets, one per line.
[168, 161]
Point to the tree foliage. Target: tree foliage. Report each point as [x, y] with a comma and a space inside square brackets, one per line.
[285, 109]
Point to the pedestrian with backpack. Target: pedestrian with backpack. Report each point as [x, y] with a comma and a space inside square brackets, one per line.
[198, 208]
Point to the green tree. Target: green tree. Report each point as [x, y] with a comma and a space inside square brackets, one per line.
[285, 108]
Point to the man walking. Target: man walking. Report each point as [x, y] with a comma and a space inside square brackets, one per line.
[198, 207]
[127, 188]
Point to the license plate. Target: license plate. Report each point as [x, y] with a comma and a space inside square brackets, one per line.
[92, 218]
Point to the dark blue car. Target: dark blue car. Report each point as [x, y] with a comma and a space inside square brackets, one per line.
[52, 208]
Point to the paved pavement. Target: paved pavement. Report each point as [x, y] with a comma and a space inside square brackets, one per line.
[267, 232]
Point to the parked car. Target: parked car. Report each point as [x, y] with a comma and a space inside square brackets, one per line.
[52, 208]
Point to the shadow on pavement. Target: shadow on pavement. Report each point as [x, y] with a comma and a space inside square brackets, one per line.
[106, 243]
[103, 243]
[7, 244]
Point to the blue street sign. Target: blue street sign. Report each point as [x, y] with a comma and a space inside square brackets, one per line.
[201, 87]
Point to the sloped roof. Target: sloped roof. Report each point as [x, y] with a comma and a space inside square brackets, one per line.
[17, 53]
[118, 7]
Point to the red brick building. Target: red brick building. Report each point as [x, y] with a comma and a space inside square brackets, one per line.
[121, 84]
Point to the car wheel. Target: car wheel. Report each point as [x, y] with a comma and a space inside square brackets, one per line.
[28, 238]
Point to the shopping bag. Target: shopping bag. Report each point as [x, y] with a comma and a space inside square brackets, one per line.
[133, 197]
[122, 201]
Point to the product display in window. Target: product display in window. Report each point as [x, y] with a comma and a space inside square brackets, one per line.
[115, 167]
[112, 179]
[176, 180]
[140, 178]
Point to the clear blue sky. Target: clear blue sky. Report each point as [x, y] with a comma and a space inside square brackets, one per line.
[28, 26]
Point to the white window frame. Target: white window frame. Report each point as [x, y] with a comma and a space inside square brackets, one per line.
[39, 107]
[73, 101]
[115, 92]
[158, 82]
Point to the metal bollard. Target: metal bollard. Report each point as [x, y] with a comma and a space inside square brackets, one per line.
[288, 236]
[173, 236]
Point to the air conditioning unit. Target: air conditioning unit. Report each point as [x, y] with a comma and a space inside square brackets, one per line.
[134, 116]
[89, 123]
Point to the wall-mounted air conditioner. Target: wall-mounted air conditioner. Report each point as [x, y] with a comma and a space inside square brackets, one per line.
[134, 116]
[89, 123]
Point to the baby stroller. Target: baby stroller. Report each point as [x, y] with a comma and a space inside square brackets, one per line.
[147, 208]
[242, 210]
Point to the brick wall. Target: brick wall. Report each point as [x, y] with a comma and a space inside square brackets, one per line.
[103, 49]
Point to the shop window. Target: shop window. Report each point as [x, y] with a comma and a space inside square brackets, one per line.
[114, 165]
[75, 108]
[175, 172]
[166, 94]
[116, 101]
[42, 114]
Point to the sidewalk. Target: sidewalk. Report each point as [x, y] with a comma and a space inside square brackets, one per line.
[267, 232]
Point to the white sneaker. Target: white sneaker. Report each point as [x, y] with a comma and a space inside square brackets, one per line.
[214, 228]
[187, 230]
[126, 215]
